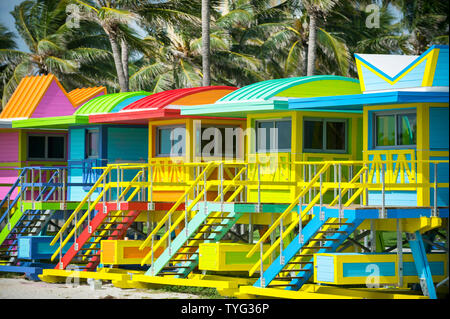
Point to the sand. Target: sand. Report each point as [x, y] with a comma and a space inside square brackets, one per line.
[19, 288]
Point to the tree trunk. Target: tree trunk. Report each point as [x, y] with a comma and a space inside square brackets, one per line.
[205, 43]
[118, 63]
[311, 45]
[124, 47]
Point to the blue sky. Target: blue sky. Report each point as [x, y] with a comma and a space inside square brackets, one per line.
[6, 6]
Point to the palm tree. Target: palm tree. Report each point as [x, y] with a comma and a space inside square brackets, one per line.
[115, 16]
[286, 47]
[316, 9]
[112, 16]
[6, 38]
[53, 47]
[425, 21]
[6, 42]
[205, 43]
[176, 60]
[348, 21]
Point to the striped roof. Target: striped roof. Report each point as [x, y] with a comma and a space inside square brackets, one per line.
[32, 89]
[107, 103]
[162, 99]
[273, 95]
[80, 96]
[163, 104]
[284, 87]
[101, 105]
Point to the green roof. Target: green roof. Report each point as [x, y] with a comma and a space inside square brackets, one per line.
[271, 95]
[308, 86]
[101, 104]
[106, 103]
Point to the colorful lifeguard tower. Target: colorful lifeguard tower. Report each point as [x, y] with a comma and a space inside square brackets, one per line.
[33, 156]
[347, 161]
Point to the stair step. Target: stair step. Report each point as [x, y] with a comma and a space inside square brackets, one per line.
[175, 267]
[304, 255]
[331, 232]
[220, 217]
[209, 232]
[288, 278]
[114, 223]
[324, 239]
[190, 246]
[317, 247]
[294, 270]
[24, 227]
[192, 253]
[281, 285]
[300, 262]
[330, 224]
[25, 233]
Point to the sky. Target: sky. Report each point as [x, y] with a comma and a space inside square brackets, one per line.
[6, 6]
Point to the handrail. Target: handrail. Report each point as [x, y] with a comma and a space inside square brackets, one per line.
[114, 218]
[80, 205]
[177, 204]
[13, 187]
[352, 181]
[189, 208]
[105, 189]
[288, 230]
[288, 209]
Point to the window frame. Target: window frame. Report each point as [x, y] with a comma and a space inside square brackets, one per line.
[395, 113]
[272, 120]
[46, 158]
[219, 126]
[157, 143]
[324, 135]
[86, 143]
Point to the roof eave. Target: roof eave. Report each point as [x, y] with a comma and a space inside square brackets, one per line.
[237, 110]
[52, 122]
[358, 101]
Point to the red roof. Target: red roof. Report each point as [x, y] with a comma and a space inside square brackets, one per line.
[155, 106]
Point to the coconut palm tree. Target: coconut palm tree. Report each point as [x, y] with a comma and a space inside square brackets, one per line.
[205, 43]
[425, 21]
[288, 53]
[6, 42]
[116, 16]
[53, 46]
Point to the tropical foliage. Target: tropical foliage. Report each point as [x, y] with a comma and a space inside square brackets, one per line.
[156, 45]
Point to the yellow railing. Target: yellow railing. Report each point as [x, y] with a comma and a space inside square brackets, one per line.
[202, 176]
[318, 178]
[361, 182]
[196, 238]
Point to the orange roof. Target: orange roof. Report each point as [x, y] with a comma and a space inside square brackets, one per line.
[32, 89]
[80, 96]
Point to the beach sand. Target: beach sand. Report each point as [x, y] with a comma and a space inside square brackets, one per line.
[20, 288]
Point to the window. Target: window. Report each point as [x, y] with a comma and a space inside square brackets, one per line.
[393, 130]
[170, 141]
[46, 147]
[273, 135]
[219, 141]
[324, 135]
[92, 143]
